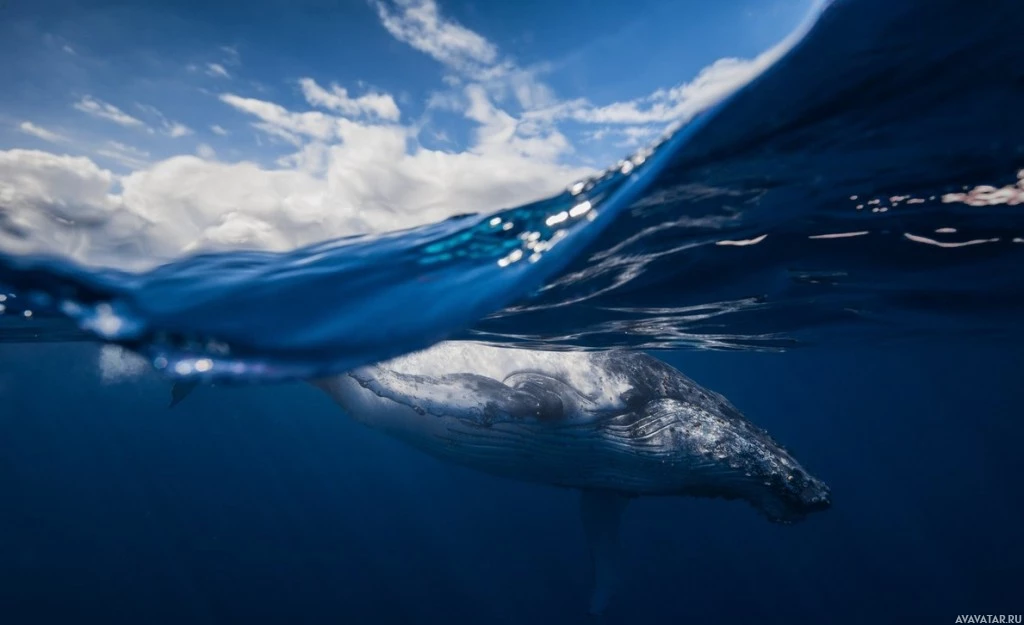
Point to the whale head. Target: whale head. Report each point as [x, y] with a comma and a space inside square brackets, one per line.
[714, 449]
[722, 454]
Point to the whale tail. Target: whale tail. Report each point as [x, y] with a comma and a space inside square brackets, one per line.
[601, 512]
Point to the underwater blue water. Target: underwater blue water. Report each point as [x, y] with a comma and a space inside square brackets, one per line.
[898, 383]
[268, 505]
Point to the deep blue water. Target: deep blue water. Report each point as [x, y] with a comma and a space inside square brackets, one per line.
[897, 381]
[268, 505]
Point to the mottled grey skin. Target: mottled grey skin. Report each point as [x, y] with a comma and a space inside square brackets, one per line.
[703, 430]
[663, 435]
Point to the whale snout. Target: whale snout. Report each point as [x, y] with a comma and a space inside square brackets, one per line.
[817, 498]
[791, 498]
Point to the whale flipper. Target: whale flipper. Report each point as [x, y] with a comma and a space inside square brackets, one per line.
[181, 390]
[602, 513]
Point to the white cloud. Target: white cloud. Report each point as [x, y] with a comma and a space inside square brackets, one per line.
[311, 158]
[172, 129]
[355, 167]
[312, 124]
[500, 132]
[419, 24]
[217, 70]
[176, 130]
[337, 99]
[668, 105]
[369, 182]
[106, 111]
[60, 204]
[41, 133]
[276, 134]
[634, 136]
[126, 155]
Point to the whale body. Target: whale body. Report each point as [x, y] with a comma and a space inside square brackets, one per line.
[613, 424]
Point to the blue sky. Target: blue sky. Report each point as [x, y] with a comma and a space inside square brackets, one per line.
[270, 124]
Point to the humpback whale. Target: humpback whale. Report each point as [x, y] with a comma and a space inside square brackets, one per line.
[613, 425]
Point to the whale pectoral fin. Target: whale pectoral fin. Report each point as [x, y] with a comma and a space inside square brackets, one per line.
[181, 390]
[601, 512]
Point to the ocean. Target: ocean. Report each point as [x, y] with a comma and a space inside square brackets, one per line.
[266, 505]
[835, 247]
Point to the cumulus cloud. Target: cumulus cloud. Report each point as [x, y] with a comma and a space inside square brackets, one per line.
[500, 132]
[354, 166]
[109, 112]
[58, 204]
[369, 183]
[41, 133]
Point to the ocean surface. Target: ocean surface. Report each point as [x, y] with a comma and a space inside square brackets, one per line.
[836, 246]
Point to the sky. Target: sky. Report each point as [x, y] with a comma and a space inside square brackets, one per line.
[134, 133]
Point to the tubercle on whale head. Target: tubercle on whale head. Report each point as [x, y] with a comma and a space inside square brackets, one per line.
[734, 459]
[790, 498]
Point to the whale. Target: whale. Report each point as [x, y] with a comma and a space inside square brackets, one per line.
[613, 425]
